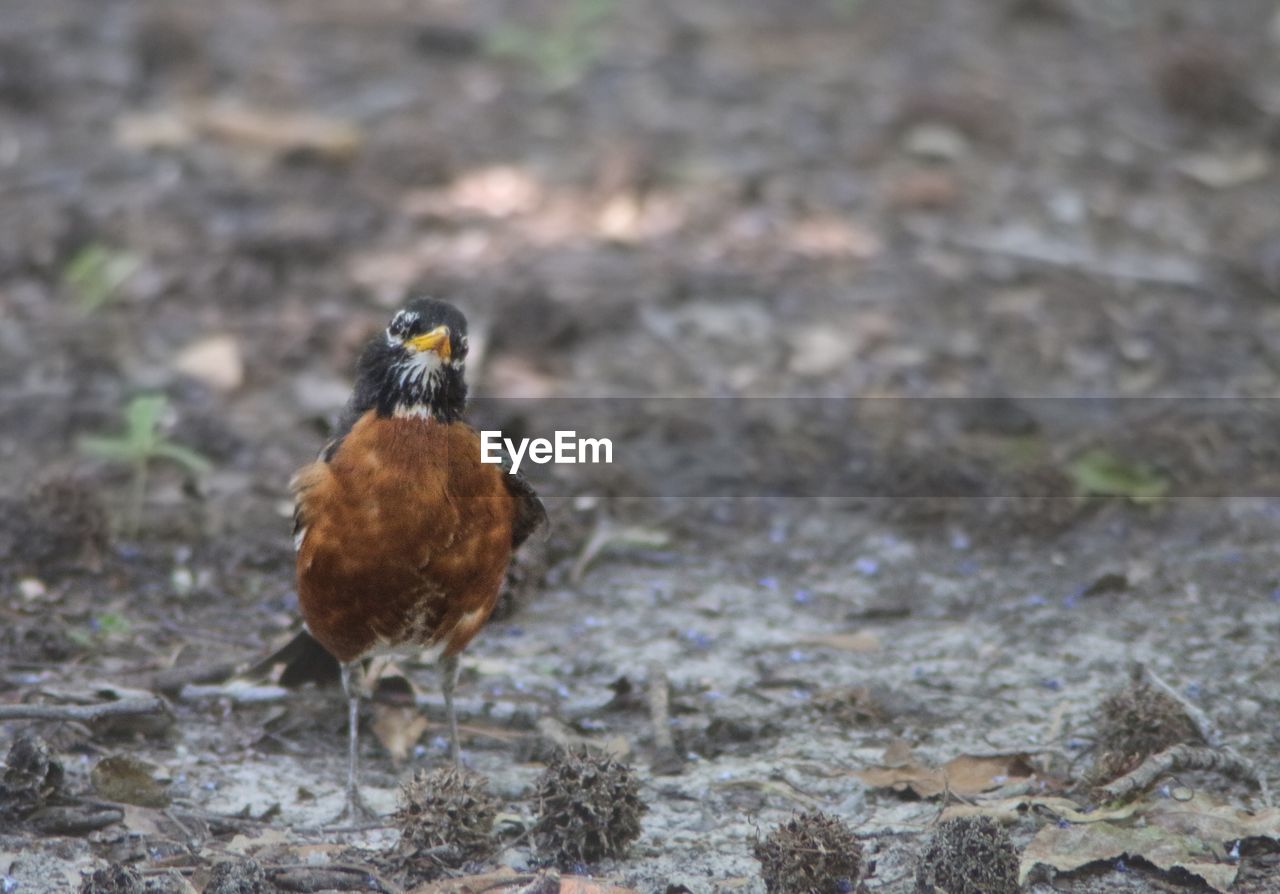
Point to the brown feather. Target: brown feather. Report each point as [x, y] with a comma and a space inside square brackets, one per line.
[405, 537]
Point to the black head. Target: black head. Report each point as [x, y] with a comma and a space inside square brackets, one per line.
[415, 367]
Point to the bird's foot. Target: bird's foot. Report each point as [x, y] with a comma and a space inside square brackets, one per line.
[354, 813]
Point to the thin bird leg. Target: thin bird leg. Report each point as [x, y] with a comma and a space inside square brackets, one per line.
[448, 680]
[355, 809]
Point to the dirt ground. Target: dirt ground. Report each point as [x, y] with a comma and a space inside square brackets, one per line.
[868, 204]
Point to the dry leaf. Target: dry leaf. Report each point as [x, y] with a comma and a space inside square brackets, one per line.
[216, 361]
[827, 237]
[1192, 835]
[964, 775]
[128, 780]
[573, 884]
[398, 728]
[281, 132]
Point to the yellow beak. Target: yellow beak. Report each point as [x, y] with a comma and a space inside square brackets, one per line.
[436, 340]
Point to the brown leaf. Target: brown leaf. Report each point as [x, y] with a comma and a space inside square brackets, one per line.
[216, 361]
[964, 775]
[130, 781]
[398, 728]
[573, 884]
[280, 132]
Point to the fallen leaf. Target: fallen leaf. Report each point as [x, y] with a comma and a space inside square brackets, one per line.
[279, 131]
[964, 775]
[573, 884]
[216, 361]
[1192, 835]
[130, 781]
[251, 842]
[398, 728]
[830, 237]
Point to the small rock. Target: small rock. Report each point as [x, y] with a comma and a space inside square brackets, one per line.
[935, 142]
[31, 589]
[820, 351]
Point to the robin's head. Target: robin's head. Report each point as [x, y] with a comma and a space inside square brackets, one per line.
[415, 367]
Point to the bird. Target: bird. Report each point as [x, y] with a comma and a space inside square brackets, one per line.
[402, 535]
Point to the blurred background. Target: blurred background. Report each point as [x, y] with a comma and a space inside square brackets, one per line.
[207, 208]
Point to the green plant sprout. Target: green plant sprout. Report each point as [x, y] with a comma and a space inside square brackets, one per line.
[561, 52]
[96, 274]
[1101, 473]
[109, 625]
[138, 446]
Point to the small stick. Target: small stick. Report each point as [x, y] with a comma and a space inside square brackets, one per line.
[238, 693]
[666, 759]
[1183, 757]
[125, 707]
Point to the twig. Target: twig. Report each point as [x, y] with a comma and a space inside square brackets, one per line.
[238, 693]
[1038, 248]
[87, 713]
[666, 760]
[545, 882]
[335, 876]
[1203, 723]
[1183, 757]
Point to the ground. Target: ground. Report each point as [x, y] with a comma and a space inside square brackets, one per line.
[878, 210]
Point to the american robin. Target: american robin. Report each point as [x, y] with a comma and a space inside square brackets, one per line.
[403, 535]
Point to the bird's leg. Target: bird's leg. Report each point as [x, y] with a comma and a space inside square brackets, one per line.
[355, 810]
[448, 680]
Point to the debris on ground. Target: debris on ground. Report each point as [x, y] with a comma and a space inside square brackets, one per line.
[968, 855]
[588, 807]
[811, 852]
[446, 818]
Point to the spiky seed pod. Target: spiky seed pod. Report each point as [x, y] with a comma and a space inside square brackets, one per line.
[812, 853]
[968, 855]
[1134, 723]
[589, 808]
[447, 816]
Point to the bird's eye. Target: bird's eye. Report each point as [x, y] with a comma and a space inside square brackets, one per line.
[463, 345]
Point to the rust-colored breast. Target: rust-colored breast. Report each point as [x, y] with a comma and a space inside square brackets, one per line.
[404, 538]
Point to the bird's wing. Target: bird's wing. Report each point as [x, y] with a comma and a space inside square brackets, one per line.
[530, 513]
[301, 484]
